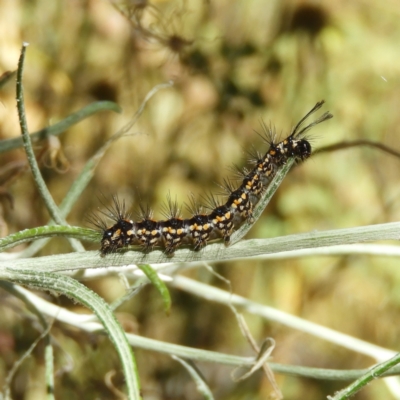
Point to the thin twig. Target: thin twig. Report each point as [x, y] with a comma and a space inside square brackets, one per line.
[355, 143]
[376, 372]
[40, 183]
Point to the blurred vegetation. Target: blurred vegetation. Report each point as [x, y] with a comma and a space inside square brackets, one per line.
[233, 63]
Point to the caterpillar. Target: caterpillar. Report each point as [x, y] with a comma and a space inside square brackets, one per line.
[214, 219]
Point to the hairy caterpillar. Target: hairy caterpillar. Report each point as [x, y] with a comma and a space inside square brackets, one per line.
[215, 220]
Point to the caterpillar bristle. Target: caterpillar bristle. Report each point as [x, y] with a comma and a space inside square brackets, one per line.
[171, 209]
[144, 212]
[148, 233]
[120, 233]
[95, 220]
[268, 135]
[174, 229]
[254, 156]
[211, 201]
[226, 188]
[322, 118]
[199, 227]
[295, 131]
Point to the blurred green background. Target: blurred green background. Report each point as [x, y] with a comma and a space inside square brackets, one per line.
[233, 63]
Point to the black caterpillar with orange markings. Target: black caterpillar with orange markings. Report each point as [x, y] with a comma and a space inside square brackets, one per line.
[222, 218]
